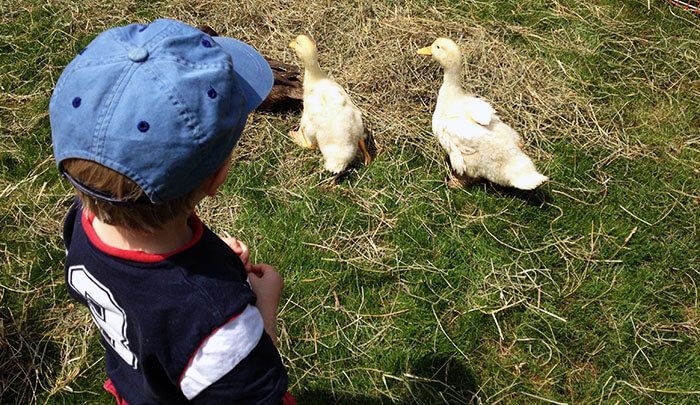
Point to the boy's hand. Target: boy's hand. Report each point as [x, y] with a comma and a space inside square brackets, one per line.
[241, 249]
[267, 285]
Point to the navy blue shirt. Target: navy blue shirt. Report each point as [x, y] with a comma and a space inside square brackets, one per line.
[177, 328]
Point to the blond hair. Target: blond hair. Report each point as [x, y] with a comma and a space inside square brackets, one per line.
[144, 217]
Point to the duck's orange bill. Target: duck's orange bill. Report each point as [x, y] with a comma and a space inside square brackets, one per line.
[425, 51]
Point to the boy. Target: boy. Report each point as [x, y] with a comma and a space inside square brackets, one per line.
[143, 123]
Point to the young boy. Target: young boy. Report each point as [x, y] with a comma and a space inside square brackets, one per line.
[144, 121]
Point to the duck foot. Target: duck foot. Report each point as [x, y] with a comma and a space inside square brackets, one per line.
[300, 139]
[456, 180]
[365, 153]
[337, 178]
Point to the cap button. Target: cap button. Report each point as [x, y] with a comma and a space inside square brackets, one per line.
[138, 54]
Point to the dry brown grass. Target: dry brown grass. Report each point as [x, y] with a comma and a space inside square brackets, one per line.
[370, 48]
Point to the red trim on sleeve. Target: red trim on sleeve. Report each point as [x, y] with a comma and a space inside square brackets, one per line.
[288, 399]
[189, 362]
[109, 387]
[137, 255]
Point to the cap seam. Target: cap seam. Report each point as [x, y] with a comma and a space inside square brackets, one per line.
[250, 55]
[185, 62]
[259, 67]
[115, 37]
[191, 121]
[105, 118]
[252, 58]
[160, 36]
[101, 62]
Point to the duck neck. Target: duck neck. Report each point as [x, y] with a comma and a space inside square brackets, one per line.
[312, 72]
[452, 83]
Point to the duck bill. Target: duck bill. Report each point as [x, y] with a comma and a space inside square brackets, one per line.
[425, 51]
[293, 44]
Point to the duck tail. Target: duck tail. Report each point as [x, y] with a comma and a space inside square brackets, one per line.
[523, 174]
[529, 181]
[335, 166]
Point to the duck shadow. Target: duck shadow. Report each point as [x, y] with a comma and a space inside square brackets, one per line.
[442, 378]
[431, 379]
[538, 197]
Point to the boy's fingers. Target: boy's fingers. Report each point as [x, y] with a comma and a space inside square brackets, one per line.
[244, 253]
[245, 256]
[237, 246]
[269, 272]
[262, 268]
[231, 242]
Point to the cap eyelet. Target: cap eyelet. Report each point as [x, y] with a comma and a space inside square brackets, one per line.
[137, 54]
[206, 43]
[211, 93]
[143, 126]
[76, 102]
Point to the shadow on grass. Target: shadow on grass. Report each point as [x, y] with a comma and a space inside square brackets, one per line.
[538, 197]
[432, 379]
[24, 358]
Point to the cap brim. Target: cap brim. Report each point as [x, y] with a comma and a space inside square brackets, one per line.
[252, 70]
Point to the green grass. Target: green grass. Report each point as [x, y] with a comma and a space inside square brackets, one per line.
[399, 289]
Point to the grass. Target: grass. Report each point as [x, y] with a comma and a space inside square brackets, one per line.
[399, 289]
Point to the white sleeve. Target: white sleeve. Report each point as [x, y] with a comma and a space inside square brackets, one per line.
[221, 351]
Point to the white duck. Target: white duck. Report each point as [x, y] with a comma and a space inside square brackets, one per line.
[478, 143]
[330, 120]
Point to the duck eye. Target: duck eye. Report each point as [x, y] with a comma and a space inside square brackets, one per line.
[437, 46]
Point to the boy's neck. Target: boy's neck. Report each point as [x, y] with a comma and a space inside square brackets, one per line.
[172, 236]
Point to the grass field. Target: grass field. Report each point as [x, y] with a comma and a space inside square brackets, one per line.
[399, 289]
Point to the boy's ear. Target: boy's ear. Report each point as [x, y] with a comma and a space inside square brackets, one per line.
[217, 179]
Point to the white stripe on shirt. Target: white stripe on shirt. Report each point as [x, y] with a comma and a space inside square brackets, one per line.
[222, 351]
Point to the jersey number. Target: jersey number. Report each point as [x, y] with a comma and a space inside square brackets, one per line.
[108, 315]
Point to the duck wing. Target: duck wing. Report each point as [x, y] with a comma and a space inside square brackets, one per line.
[327, 96]
[466, 121]
[473, 108]
[330, 112]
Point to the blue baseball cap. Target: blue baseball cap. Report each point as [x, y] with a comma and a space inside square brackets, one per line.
[162, 104]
